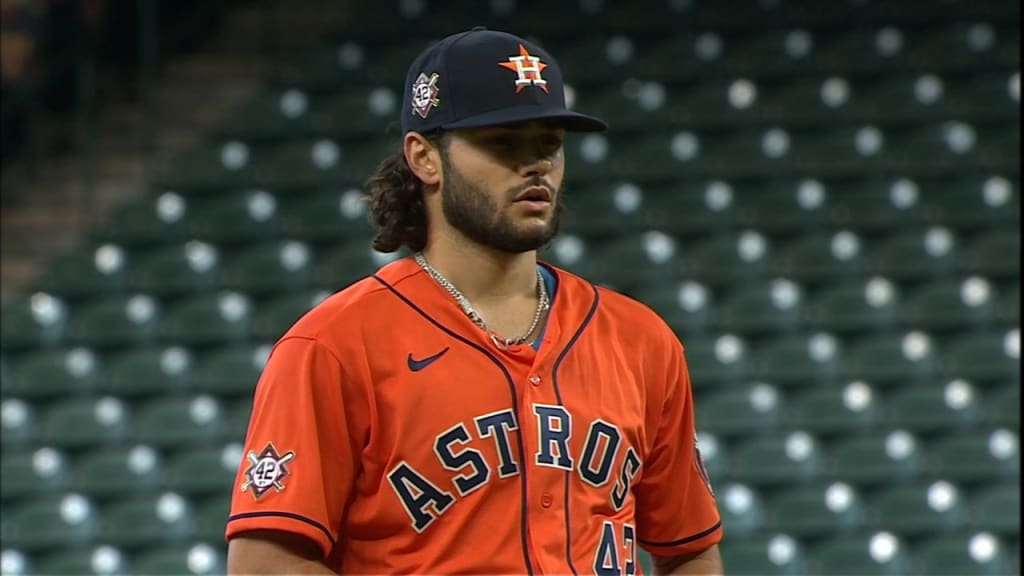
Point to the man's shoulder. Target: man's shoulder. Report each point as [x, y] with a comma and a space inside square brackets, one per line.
[349, 308]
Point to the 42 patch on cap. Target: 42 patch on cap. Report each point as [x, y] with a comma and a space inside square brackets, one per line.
[267, 470]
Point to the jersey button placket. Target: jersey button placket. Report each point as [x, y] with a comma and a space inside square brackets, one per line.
[535, 380]
[546, 500]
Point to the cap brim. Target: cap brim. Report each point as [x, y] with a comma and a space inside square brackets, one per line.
[571, 121]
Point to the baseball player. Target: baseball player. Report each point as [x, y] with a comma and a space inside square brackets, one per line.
[468, 409]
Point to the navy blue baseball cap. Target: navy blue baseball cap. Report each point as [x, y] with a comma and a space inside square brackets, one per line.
[487, 78]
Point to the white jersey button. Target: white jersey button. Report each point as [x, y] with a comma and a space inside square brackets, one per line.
[535, 380]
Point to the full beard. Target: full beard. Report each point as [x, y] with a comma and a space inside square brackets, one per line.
[471, 211]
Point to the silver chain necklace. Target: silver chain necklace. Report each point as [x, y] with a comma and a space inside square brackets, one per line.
[543, 302]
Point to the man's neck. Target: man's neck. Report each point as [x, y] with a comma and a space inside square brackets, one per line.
[485, 276]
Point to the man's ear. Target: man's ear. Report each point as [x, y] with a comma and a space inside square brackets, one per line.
[423, 158]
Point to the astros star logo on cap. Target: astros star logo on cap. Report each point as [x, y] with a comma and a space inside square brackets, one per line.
[527, 68]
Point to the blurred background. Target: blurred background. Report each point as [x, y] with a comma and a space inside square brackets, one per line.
[822, 198]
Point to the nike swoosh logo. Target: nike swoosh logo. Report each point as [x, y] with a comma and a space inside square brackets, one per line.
[417, 365]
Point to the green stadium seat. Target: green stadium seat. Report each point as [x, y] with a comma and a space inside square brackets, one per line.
[782, 206]
[740, 508]
[215, 164]
[714, 454]
[232, 371]
[32, 472]
[235, 217]
[28, 321]
[86, 270]
[269, 267]
[973, 202]
[688, 307]
[631, 106]
[173, 269]
[322, 162]
[834, 410]
[887, 358]
[996, 507]
[572, 254]
[200, 470]
[974, 456]
[274, 317]
[708, 103]
[873, 458]
[842, 150]
[82, 422]
[762, 307]
[326, 215]
[208, 318]
[369, 111]
[967, 554]
[917, 509]
[115, 320]
[692, 208]
[49, 523]
[877, 554]
[146, 520]
[955, 46]
[18, 421]
[1007, 311]
[236, 419]
[854, 306]
[790, 360]
[54, 373]
[776, 459]
[765, 554]
[984, 356]
[951, 304]
[602, 207]
[98, 561]
[1002, 405]
[171, 422]
[716, 360]
[745, 410]
[729, 258]
[815, 510]
[212, 517]
[107, 472]
[146, 370]
[932, 407]
[817, 257]
[675, 58]
[641, 259]
[875, 205]
[346, 263]
[773, 52]
[994, 253]
[148, 221]
[272, 114]
[915, 255]
[176, 558]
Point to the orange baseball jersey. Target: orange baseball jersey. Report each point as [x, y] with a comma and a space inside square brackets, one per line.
[390, 430]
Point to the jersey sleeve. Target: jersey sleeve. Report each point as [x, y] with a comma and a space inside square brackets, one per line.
[676, 510]
[301, 454]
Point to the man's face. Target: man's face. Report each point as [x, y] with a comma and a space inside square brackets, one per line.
[502, 185]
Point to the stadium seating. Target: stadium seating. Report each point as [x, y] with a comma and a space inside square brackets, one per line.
[822, 203]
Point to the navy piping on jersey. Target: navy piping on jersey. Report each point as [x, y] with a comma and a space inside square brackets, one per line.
[551, 281]
[515, 411]
[291, 515]
[558, 395]
[696, 536]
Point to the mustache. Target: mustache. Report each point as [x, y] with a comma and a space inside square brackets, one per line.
[535, 181]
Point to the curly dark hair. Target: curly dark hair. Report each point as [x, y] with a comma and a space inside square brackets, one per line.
[396, 201]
